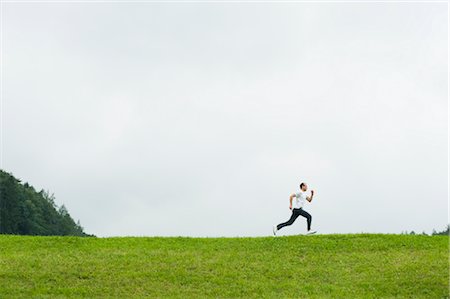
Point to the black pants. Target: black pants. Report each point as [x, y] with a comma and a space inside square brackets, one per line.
[295, 214]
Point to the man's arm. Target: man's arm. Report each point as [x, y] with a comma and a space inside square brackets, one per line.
[310, 198]
[290, 200]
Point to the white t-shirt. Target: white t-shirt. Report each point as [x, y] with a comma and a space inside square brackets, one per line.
[300, 199]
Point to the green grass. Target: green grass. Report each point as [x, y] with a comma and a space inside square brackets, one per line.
[321, 266]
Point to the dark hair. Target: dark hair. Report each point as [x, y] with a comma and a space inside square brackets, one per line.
[301, 185]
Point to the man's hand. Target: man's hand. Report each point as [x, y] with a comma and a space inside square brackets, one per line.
[290, 200]
[309, 198]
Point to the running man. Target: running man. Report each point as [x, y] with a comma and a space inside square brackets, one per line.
[300, 199]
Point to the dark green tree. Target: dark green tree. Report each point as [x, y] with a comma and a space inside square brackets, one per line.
[25, 211]
[444, 232]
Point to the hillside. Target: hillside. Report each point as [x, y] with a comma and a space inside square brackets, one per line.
[24, 211]
[320, 266]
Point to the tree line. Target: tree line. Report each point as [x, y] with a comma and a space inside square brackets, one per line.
[25, 211]
[444, 232]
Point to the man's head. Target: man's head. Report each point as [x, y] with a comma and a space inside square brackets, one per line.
[303, 187]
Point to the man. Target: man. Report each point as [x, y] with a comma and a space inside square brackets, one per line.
[300, 199]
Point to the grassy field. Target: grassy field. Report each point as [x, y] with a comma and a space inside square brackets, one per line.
[321, 266]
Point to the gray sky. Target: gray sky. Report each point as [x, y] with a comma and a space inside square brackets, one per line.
[200, 119]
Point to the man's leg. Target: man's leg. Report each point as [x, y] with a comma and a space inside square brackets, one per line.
[307, 216]
[291, 220]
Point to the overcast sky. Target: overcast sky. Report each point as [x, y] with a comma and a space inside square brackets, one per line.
[200, 119]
